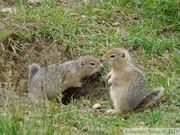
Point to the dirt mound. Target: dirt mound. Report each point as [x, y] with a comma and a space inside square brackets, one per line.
[18, 55]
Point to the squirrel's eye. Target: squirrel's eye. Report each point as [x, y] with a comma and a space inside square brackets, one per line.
[92, 63]
[113, 56]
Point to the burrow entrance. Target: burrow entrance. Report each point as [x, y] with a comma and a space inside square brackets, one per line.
[17, 56]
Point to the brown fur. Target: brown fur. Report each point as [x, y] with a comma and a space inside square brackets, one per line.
[127, 83]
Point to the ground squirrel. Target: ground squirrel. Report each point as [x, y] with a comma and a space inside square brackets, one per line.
[127, 83]
[56, 78]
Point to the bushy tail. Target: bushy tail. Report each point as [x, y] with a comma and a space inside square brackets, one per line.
[150, 99]
[33, 69]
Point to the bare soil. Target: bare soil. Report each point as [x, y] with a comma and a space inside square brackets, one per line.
[17, 56]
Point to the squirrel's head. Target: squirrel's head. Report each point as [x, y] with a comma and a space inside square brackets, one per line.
[116, 57]
[89, 64]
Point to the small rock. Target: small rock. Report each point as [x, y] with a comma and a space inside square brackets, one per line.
[83, 16]
[96, 106]
[103, 22]
[34, 1]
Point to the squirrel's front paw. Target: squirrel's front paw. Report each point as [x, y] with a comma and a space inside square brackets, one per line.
[110, 82]
[108, 76]
[111, 111]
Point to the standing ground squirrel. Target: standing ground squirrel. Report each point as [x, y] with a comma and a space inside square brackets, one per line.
[56, 78]
[127, 83]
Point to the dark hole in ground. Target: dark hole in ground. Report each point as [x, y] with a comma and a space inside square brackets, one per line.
[43, 51]
[93, 86]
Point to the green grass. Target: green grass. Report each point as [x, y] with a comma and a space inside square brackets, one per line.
[148, 29]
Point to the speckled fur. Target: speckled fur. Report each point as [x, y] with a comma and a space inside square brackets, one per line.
[58, 77]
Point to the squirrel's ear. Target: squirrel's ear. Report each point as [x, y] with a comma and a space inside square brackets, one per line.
[81, 63]
[123, 55]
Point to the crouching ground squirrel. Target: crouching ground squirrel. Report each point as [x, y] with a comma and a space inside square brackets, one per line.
[127, 83]
[56, 78]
